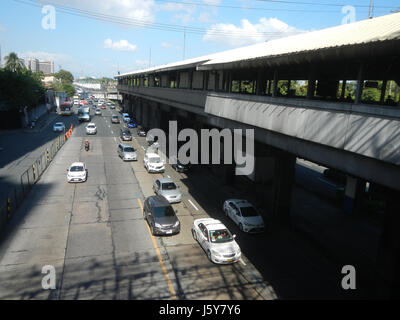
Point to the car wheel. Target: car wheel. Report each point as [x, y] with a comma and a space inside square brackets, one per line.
[240, 227]
[209, 255]
[194, 234]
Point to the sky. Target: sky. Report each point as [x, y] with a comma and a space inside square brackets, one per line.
[96, 38]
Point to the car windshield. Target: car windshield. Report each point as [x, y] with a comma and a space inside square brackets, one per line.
[129, 149]
[58, 124]
[91, 126]
[126, 133]
[168, 186]
[76, 169]
[220, 236]
[160, 212]
[249, 212]
[154, 160]
[115, 117]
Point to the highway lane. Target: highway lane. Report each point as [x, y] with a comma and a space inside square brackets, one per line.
[95, 236]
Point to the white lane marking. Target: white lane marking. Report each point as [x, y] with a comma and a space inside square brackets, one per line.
[242, 261]
[115, 139]
[169, 177]
[112, 132]
[143, 148]
[193, 204]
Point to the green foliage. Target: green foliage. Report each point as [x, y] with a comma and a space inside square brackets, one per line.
[13, 63]
[65, 76]
[20, 89]
[371, 95]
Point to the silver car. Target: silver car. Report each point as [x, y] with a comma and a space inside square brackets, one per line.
[59, 127]
[126, 152]
[167, 188]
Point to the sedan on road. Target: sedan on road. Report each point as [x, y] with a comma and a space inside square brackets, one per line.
[160, 216]
[114, 119]
[59, 127]
[244, 215]
[127, 152]
[153, 163]
[91, 128]
[103, 106]
[77, 172]
[141, 132]
[131, 124]
[98, 112]
[167, 188]
[216, 241]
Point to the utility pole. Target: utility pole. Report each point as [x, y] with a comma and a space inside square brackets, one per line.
[184, 42]
[371, 9]
[150, 58]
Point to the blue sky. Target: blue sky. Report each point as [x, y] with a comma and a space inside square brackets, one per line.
[87, 41]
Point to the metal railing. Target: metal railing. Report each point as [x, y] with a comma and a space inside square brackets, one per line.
[9, 206]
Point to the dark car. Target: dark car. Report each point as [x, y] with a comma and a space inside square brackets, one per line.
[160, 216]
[125, 135]
[180, 167]
[141, 132]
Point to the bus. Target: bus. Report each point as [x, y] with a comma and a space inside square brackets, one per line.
[66, 108]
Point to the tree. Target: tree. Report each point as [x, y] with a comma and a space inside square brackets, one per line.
[65, 76]
[13, 63]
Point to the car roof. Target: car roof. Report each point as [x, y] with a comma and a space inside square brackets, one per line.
[165, 180]
[211, 223]
[114, 115]
[78, 164]
[61, 123]
[241, 203]
[158, 201]
[125, 145]
[91, 123]
[152, 155]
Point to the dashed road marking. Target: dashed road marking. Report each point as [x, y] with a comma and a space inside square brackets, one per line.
[170, 286]
[193, 204]
[241, 260]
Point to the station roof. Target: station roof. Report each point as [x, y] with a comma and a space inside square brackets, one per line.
[361, 33]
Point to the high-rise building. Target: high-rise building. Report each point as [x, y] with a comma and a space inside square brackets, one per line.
[47, 67]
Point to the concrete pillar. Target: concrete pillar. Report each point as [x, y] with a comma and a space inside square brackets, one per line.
[383, 91]
[284, 170]
[388, 257]
[275, 84]
[360, 84]
[353, 193]
[343, 90]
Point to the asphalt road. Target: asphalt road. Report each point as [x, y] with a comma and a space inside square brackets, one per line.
[95, 236]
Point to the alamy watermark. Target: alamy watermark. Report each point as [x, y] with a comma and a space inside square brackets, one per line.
[49, 280]
[49, 18]
[189, 151]
[349, 280]
[350, 14]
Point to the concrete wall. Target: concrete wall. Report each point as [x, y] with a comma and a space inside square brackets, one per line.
[367, 135]
[197, 82]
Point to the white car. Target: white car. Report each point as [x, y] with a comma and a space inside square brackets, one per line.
[76, 102]
[77, 172]
[59, 127]
[216, 241]
[244, 215]
[153, 163]
[91, 128]
[98, 112]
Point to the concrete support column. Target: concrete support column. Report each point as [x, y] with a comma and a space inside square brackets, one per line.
[275, 84]
[343, 90]
[383, 91]
[388, 258]
[353, 194]
[284, 170]
[360, 84]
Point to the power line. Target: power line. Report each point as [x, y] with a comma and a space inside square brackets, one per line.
[150, 24]
[191, 3]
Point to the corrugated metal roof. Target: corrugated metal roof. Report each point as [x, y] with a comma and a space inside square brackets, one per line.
[362, 32]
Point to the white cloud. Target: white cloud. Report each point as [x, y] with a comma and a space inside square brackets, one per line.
[248, 33]
[168, 45]
[121, 45]
[130, 9]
